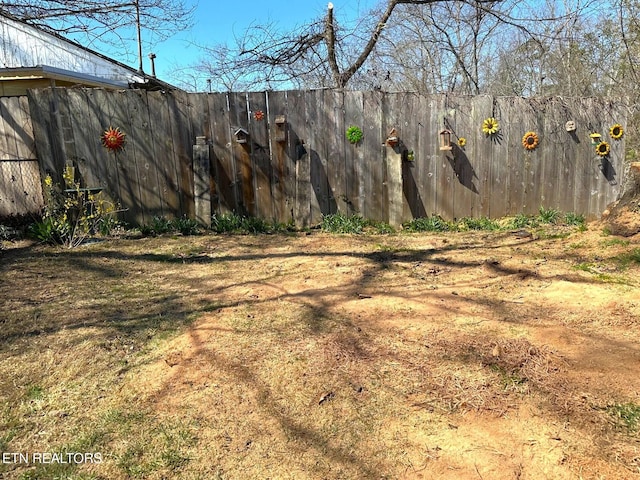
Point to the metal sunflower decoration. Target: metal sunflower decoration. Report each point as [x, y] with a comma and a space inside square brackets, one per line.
[530, 140]
[490, 126]
[616, 131]
[603, 149]
[258, 115]
[113, 139]
[462, 142]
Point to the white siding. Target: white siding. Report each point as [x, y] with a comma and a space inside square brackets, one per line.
[24, 46]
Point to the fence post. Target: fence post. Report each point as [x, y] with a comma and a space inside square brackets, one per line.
[201, 181]
[394, 178]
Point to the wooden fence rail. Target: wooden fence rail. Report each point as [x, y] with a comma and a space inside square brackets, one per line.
[284, 156]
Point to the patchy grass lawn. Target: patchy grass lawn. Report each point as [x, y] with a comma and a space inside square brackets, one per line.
[310, 356]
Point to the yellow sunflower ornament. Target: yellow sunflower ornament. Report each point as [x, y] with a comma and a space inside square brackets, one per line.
[603, 149]
[462, 142]
[530, 140]
[616, 131]
[490, 126]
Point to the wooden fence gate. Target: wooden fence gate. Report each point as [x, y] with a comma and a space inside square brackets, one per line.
[20, 184]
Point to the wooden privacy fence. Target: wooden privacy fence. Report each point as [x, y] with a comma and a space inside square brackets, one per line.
[20, 186]
[284, 156]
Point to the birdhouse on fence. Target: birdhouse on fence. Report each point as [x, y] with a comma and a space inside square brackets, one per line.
[281, 130]
[445, 140]
[392, 139]
[241, 135]
[570, 126]
[595, 138]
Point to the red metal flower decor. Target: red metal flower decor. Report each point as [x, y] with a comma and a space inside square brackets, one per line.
[258, 115]
[113, 139]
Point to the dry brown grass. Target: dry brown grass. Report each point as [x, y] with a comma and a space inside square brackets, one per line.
[469, 355]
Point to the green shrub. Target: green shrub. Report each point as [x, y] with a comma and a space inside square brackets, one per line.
[72, 216]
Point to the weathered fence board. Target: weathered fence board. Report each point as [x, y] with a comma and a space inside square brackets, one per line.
[20, 181]
[295, 162]
[298, 131]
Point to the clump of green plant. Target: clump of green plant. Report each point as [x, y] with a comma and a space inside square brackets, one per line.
[481, 223]
[626, 415]
[341, 223]
[433, 223]
[73, 215]
[186, 226]
[575, 219]
[549, 215]
[354, 134]
[523, 221]
[380, 228]
[162, 225]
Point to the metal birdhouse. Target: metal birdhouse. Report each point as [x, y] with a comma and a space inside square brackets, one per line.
[595, 138]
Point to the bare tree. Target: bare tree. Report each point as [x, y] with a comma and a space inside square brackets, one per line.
[321, 51]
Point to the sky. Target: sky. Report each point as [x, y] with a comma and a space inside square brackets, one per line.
[218, 21]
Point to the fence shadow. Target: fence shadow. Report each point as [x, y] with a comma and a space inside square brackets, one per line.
[465, 173]
[411, 190]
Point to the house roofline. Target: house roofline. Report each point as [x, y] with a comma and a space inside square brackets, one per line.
[53, 73]
[148, 81]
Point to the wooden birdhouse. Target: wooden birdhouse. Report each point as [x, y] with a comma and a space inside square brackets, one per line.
[241, 135]
[392, 139]
[570, 126]
[281, 128]
[445, 140]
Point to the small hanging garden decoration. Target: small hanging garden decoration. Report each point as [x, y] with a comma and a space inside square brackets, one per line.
[603, 149]
[354, 134]
[616, 131]
[113, 139]
[490, 126]
[462, 142]
[258, 115]
[530, 140]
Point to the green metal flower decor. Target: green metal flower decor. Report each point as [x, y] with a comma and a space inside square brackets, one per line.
[354, 134]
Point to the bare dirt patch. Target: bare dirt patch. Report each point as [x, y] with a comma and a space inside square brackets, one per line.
[467, 355]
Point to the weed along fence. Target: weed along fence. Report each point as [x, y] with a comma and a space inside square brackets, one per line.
[285, 156]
